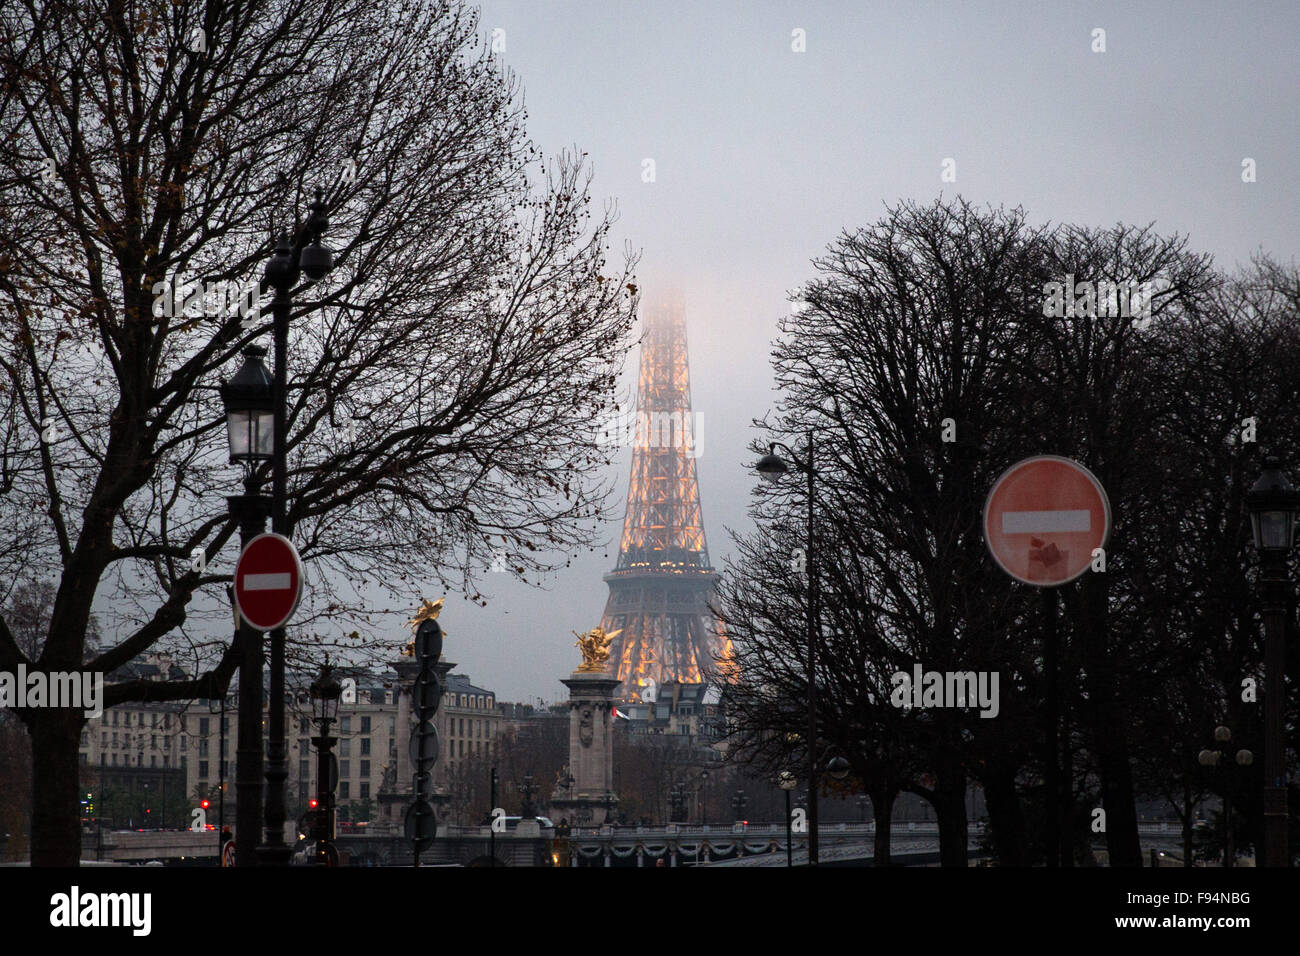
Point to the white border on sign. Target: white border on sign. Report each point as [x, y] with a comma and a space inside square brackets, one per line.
[984, 517]
[297, 598]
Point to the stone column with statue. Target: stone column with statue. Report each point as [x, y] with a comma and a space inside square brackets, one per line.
[396, 791]
[587, 797]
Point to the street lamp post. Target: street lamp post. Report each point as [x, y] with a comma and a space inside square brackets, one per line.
[215, 707]
[306, 256]
[772, 467]
[1273, 502]
[1213, 758]
[325, 692]
[249, 423]
[677, 803]
[787, 782]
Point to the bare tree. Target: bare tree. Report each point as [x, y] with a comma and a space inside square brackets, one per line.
[445, 381]
[935, 317]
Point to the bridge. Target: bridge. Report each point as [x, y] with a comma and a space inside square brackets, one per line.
[753, 844]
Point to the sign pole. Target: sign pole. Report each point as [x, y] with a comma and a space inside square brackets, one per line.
[1052, 761]
[1045, 521]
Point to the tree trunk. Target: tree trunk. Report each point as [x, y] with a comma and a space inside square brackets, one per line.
[949, 802]
[882, 812]
[1109, 725]
[1006, 817]
[56, 808]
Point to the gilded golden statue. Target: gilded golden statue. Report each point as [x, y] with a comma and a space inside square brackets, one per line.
[595, 648]
[428, 611]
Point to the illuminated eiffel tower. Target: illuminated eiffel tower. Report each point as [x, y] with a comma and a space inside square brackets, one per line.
[660, 588]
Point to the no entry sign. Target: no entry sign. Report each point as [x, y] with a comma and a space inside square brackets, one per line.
[1044, 518]
[268, 581]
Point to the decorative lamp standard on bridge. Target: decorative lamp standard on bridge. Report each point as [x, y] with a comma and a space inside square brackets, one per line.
[738, 803]
[787, 782]
[248, 398]
[325, 693]
[1273, 503]
[1213, 758]
[773, 468]
[216, 707]
[527, 790]
[677, 801]
[704, 806]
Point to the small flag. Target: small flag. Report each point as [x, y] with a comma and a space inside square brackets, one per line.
[618, 713]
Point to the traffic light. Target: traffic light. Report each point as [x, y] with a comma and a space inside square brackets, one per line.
[205, 804]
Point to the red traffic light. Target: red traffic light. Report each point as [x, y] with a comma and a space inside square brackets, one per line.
[313, 803]
[205, 804]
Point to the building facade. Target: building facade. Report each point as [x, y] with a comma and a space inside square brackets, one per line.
[145, 754]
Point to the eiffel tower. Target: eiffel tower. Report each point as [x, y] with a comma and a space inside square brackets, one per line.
[660, 588]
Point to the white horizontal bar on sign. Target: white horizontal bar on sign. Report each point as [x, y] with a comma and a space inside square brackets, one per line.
[1045, 522]
[267, 582]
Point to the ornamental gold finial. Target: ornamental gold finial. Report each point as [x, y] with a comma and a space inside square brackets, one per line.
[595, 648]
[428, 611]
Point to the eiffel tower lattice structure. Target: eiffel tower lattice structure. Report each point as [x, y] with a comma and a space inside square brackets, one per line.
[660, 588]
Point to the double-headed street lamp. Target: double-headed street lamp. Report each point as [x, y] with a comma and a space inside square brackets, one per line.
[256, 422]
[1273, 503]
[773, 467]
[306, 256]
[1214, 758]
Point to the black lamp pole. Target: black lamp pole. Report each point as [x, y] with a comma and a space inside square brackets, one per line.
[1273, 502]
[248, 400]
[283, 271]
[772, 467]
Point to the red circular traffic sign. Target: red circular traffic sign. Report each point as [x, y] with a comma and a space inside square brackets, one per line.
[268, 581]
[1044, 518]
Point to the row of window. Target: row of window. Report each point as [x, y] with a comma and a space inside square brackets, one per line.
[113, 717]
[477, 728]
[106, 740]
[479, 702]
[345, 725]
[131, 760]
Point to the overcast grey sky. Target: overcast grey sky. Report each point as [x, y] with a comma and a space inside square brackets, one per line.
[763, 155]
